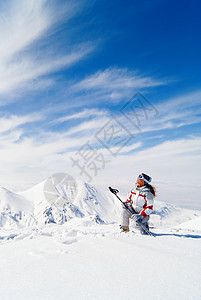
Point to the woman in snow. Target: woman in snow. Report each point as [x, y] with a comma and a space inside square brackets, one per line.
[140, 202]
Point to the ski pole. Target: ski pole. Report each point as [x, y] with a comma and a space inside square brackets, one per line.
[115, 191]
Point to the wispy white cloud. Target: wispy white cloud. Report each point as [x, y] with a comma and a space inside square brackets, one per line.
[19, 74]
[179, 111]
[10, 137]
[88, 127]
[114, 83]
[114, 79]
[22, 23]
[13, 122]
[25, 53]
[182, 101]
[124, 151]
[83, 114]
[172, 113]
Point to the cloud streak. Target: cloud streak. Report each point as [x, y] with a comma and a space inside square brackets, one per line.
[178, 111]
[26, 53]
[115, 83]
[12, 122]
[173, 113]
[84, 114]
[116, 78]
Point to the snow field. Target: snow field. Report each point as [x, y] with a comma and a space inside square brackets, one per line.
[80, 260]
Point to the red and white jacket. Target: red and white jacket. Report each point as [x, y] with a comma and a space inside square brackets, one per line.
[141, 200]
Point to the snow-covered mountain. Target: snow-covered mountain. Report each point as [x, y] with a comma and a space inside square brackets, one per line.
[168, 215]
[15, 210]
[33, 207]
[54, 201]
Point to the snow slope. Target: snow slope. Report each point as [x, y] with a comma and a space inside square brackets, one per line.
[194, 224]
[15, 210]
[82, 260]
[168, 215]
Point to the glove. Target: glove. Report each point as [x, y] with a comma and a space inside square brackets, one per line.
[138, 218]
[114, 191]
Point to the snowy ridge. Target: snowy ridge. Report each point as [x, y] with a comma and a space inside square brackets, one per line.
[31, 207]
[168, 215]
[15, 210]
[194, 224]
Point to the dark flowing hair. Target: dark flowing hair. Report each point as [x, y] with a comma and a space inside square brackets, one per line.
[151, 187]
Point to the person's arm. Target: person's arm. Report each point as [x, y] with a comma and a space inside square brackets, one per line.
[130, 195]
[149, 198]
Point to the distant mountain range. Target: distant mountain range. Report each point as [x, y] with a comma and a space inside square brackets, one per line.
[50, 202]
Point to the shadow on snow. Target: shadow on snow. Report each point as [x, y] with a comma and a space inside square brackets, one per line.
[192, 236]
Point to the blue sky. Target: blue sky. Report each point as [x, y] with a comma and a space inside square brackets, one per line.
[68, 67]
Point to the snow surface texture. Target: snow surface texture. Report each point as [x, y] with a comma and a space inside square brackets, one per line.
[76, 251]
